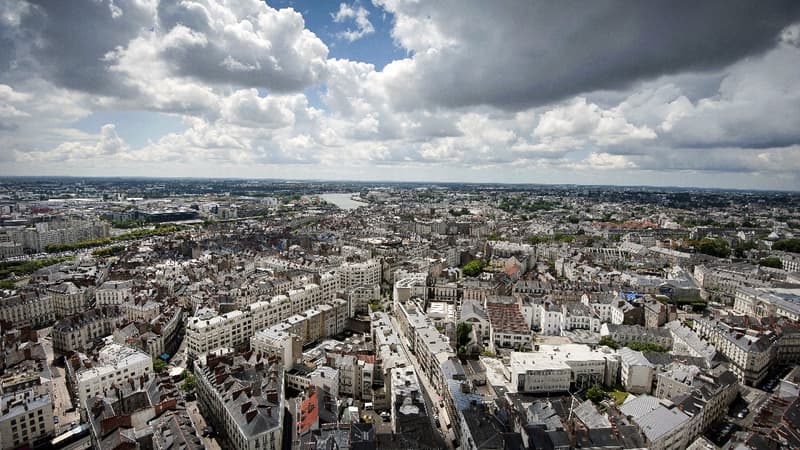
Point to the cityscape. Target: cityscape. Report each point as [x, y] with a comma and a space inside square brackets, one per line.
[278, 314]
[399, 225]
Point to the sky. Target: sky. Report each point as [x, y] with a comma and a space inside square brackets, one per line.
[679, 93]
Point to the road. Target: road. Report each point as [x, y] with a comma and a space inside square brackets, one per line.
[200, 424]
[179, 359]
[427, 388]
[58, 387]
[755, 399]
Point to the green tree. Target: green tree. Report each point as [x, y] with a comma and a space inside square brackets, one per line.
[713, 247]
[463, 330]
[647, 347]
[609, 342]
[771, 261]
[596, 394]
[473, 268]
[787, 245]
[159, 365]
[188, 381]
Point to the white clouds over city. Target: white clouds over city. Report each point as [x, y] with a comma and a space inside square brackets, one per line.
[609, 92]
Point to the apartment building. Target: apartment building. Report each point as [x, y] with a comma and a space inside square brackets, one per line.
[665, 426]
[626, 334]
[44, 234]
[26, 419]
[208, 332]
[751, 352]
[80, 332]
[69, 299]
[278, 344]
[636, 372]
[507, 326]
[27, 309]
[562, 368]
[764, 302]
[243, 399]
[359, 274]
[113, 365]
[704, 395]
[113, 293]
[687, 342]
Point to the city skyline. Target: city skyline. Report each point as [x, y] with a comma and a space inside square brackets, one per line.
[683, 95]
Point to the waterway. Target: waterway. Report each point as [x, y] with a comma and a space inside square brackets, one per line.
[343, 201]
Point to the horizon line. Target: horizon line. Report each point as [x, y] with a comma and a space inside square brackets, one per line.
[320, 180]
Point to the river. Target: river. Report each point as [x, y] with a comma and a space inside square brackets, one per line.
[343, 201]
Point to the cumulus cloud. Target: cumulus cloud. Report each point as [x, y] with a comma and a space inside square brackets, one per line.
[359, 15]
[522, 89]
[84, 147]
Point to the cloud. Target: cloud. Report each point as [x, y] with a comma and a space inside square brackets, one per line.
[245, 43]
[357, 13]
[106, 144]
[514, 55]
[513, 91]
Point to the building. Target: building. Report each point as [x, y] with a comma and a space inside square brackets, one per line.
[704, 395]
[113, 293]
[472, 312]
[665, 426]
[205, 333]
[366, 273]
[764, 302]
[636, 372]
[408, 411]
[69, 299]
[80, 332]
[243, 398]
[26, 419]
[278, 344]
[562, 368]
[507, 326]
[113, 365]
[27, 309]
[751, 352]
[57, 232]
[687, 342]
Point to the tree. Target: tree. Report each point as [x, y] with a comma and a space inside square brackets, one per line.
[463, 330]
[596, 394]
[787, 245]
[473, 268]
[608, 341]
[159, 365]
[647, 347]
[713, 247]
[188, 381]
[771, 261]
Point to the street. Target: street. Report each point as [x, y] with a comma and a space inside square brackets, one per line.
[755, 399]
[58, 387]
[200, 425]
[430, 395]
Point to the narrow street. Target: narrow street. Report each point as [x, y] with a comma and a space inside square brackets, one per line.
[58, 388]
[200, 425]
[431, 396]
